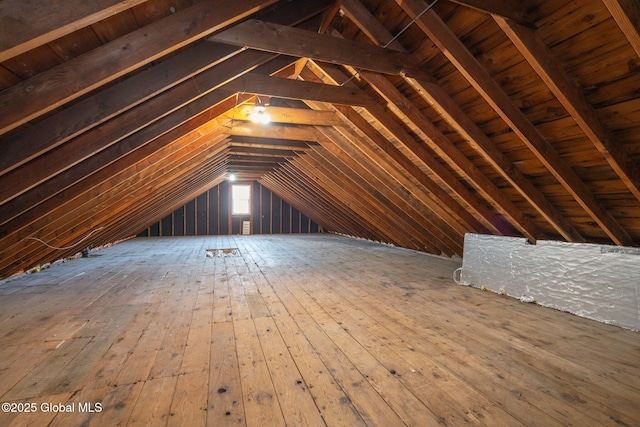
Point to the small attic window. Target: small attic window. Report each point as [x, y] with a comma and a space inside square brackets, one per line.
[240, 199]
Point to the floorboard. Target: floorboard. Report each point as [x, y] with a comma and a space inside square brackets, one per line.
[297, 330]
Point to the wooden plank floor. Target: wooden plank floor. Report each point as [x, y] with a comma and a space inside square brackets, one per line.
[297, 330]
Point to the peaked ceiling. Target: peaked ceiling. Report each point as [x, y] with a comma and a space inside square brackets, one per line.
[392, 120]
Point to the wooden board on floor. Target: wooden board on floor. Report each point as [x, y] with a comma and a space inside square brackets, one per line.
[299, 330]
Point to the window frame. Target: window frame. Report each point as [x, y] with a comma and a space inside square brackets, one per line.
[234, 198]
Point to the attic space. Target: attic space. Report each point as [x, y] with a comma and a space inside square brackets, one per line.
[393, 176]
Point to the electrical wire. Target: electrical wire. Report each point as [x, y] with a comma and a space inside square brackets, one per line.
[394, 38]
[66, 247]
[413, 21]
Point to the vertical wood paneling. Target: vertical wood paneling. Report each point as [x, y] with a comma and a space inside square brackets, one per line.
[210, 214]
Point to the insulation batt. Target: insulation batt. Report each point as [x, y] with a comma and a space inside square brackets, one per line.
[593, 281]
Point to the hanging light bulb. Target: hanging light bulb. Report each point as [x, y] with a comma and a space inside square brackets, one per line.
[259, 113]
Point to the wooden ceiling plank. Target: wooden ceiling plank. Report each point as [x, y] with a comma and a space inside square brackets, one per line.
[138, 166]
[297, 116]
[20, 147]
[454, 157]
[626, 13]
[30, 27]
[113, 200]
[451, 111]
[181, 187]
[381, 187]
[447, 107]
[393, 208]
[453, 209]
[192, 182]
[310, 177]
[437, 193]
[79, 117]
[69, 80]
[376, 166]
[441, 220]
[437, 31]
[158, 115]
[260, 84]
[99, 163]
[359, 201]
[429, 161]
[572, 99]
[380, 200]
[300, 187]
[436, 215]
[514, 11]
[281, 39]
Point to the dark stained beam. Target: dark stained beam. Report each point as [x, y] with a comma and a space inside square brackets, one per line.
[307, 44]
[30, 27]
[260, 84]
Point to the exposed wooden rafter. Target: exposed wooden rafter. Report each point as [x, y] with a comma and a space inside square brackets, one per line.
[570, 96]
[433, 26]
[39, 95]
[293, 41]
[505, 8]
[627, 15]
[384, 125]
[49, 21]
[448, 108]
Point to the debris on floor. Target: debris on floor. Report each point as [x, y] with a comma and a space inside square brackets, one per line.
[220, 253]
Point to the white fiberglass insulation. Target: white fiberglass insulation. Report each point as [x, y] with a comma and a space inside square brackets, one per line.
[594, 281]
